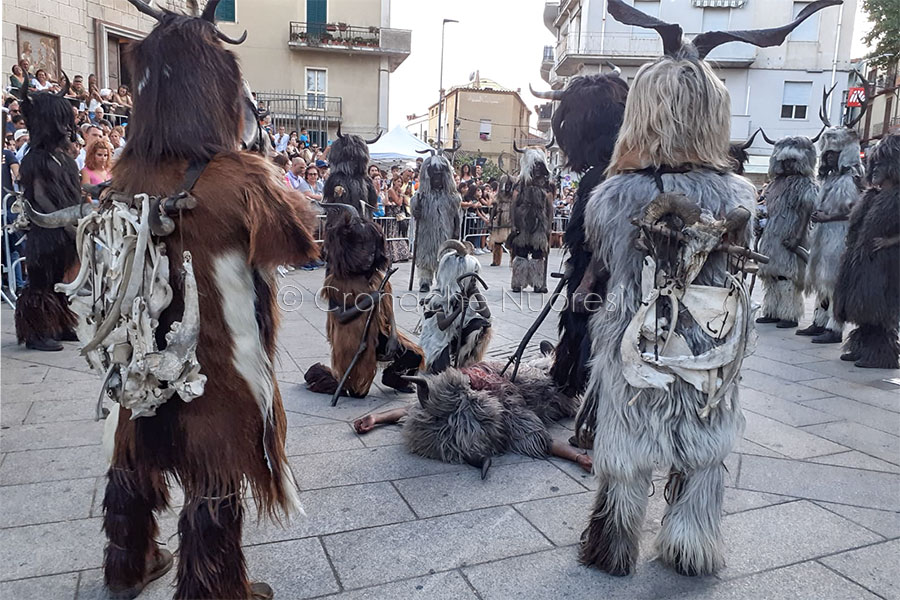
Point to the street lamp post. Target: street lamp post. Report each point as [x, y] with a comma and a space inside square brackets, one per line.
[441, 91]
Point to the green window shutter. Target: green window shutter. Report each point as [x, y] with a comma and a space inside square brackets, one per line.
[225, 11]
[316, 11]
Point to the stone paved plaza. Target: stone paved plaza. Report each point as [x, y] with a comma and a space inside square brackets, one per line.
[812, 504]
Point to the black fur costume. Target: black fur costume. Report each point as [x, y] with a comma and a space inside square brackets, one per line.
[585, 125]
[868, 286]
[348, 183]
[51, 182]
[532, 218]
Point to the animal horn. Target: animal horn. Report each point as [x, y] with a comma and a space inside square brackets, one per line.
[453, 149]
[672, 204]
[500, 164]
[430, 151]
[339, 134]
[421, 388]
[456, 245]
[517, 149]
[551, 95]
[65, 89]
[823, 115]
[339, 206]
[749, 141]
[550, 143]
[864, 105]
[629, 15]
[737, 219]
[209, 11]
[818, 135]
[376, 138]
[615, 71]
[148, 9]
[765, 137]
[230, 40]
[57, 219]
[480, 462]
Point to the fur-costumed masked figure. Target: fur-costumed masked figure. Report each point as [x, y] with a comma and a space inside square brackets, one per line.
[532, 219]
[446, 332]
[469, 415]
[790, 198]
[501, 214]
[347, 181]
[840, 185]
[51, 182]
[667, 351]
[585, 125]
[868, 285]
[244, 225]
[436, 212]
[357, 264]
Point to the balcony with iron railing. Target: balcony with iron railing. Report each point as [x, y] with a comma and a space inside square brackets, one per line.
[344, 38]
[295, 110]
[576, 48]
[547, 62]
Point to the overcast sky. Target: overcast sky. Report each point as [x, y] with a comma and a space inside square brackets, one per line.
[504, 39]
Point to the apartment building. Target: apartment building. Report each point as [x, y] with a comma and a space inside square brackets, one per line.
[779, 89]
[314, 63]
[482, 117]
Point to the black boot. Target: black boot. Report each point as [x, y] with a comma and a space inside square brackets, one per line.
[68, 335]
[766, 320]
[849, 357]
[811, 330]
[785, 324]
[44, 345]
[395, 381]
[829, 337]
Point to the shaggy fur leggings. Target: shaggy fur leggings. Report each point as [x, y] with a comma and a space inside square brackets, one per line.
[42, 313]
[211, 562]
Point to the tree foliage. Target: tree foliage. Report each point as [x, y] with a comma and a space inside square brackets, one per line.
[884, 37]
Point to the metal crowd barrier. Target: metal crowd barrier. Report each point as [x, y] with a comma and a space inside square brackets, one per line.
[383, 221]
[10, 265]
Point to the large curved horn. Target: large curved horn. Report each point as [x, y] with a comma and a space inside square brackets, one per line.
[551, 95]
[864, 105]
[452, 149]
[209, 11]
[823, 113]
[230, 40]
[737, 219]
[456, 245]
[749, 141]
[339, 134]
[550, 143]
[818, 135]
[500, 164]
[614, 70]
[376, 138]
[672, 203]
[430, 151]
[421, 388]
[765, 137]
[339, 206]
[517, 149]
[65, 88]
[148, 9]
[57, 219]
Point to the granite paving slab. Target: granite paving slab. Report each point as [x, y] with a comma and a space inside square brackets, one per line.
[449, 585]
[780, 388]
[859, 437]
[882, 522]
[792, 532]
[800, 479]
[333, 510]
[51, 435]
[51, 548]
[858, 412]
[835, 386]
[382, 554]
[785, 411]
[33, 503]
[856, 460]
[874, 567]
[332, 437]
[447, 493]
[55, 587]
[32, 466]
[784, 439]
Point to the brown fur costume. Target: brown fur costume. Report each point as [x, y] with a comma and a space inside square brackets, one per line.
[244, 225]
[356, 266]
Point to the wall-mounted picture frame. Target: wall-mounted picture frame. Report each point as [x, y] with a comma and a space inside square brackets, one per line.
[41, 49]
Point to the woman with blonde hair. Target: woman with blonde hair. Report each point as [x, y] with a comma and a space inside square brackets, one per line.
[97, 162]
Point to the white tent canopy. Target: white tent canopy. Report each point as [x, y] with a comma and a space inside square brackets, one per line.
[397, 146]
